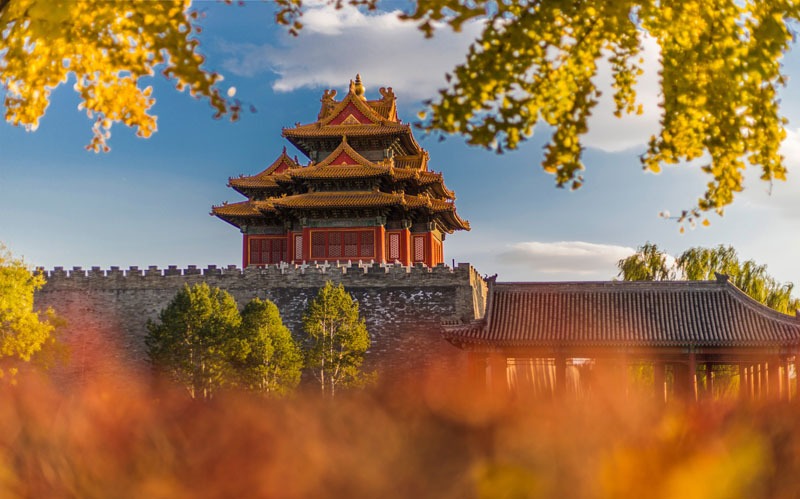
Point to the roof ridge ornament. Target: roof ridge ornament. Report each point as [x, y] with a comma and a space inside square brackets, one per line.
[357, 88]
[721, 278]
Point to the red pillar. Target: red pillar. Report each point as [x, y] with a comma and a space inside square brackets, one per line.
[245, 248]
[476, 372]
[405, 247]
[306, 245]
[380, 244]
[498, 375]
[561, 374]
[709, 381]
[692, 376]
[744, 382]
[773, 378]
[659, 378]
[785, 391]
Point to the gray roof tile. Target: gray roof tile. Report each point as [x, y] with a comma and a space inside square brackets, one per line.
[641, 314]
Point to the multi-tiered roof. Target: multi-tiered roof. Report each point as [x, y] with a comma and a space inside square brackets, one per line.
[363, 163]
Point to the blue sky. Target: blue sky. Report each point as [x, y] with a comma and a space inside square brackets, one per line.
[147, 201]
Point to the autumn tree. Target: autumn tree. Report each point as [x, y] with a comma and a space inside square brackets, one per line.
[107, 48]
[24, 332]
[701, 264]
[195, 339]
[270, 360]
[537, 63]
[534, 62]
[337, 339]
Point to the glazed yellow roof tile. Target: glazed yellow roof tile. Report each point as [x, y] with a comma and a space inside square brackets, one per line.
[361, 199]
[341, 172]
[315, 130]
[358, 103]
[267, 177]
[253, 181]
[417, 161]
[243, 209]
[339, 199]
[344, 148]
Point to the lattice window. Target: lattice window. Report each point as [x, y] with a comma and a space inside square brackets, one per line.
[394, 247]
[298, 247]
[334, 244]
[255, 252]
[351, 244]
[419, 248]
[264, 251]
[367, 244]
[278, 250]
[318, 245]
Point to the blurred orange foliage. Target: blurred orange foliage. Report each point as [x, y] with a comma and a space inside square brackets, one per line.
[424, 436]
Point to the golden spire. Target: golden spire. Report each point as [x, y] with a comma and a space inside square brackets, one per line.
[358, 87]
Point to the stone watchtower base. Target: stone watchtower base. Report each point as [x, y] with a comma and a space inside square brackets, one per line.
[106, 311]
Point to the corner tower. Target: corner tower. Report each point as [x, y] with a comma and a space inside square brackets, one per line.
[366, 192]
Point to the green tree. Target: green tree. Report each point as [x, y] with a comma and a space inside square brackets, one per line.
[337, 339]
[271, 360]
[750, 277]
[701, 264]
[23, 331]
[195, 339]
[647, 264]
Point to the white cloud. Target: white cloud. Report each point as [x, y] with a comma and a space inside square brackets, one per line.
[611, 134]
[782, 198]
[566, 257]
[334, 45]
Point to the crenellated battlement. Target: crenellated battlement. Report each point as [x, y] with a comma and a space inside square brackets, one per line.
[346, 272]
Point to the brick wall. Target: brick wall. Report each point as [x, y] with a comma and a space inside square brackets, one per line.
[107, 310]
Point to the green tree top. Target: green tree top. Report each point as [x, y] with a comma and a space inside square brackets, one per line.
[195, 337]
[271, 361]
[337, 339]
[648, 264]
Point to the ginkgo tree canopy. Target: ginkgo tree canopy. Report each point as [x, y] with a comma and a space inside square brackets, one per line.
[535, 62]
[107, 48]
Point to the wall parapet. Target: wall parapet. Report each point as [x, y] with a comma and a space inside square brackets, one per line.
[336, 271]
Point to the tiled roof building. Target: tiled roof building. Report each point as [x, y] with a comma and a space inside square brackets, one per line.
[365, 194]
[681, 324]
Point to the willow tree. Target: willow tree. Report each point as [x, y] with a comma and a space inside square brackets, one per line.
[24, 331]
[648, 264]
[702, 264]
[752, 278]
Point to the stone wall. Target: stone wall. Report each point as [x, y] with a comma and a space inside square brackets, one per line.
[107, 310]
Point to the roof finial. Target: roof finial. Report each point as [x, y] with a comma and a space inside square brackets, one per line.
[358, 87]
